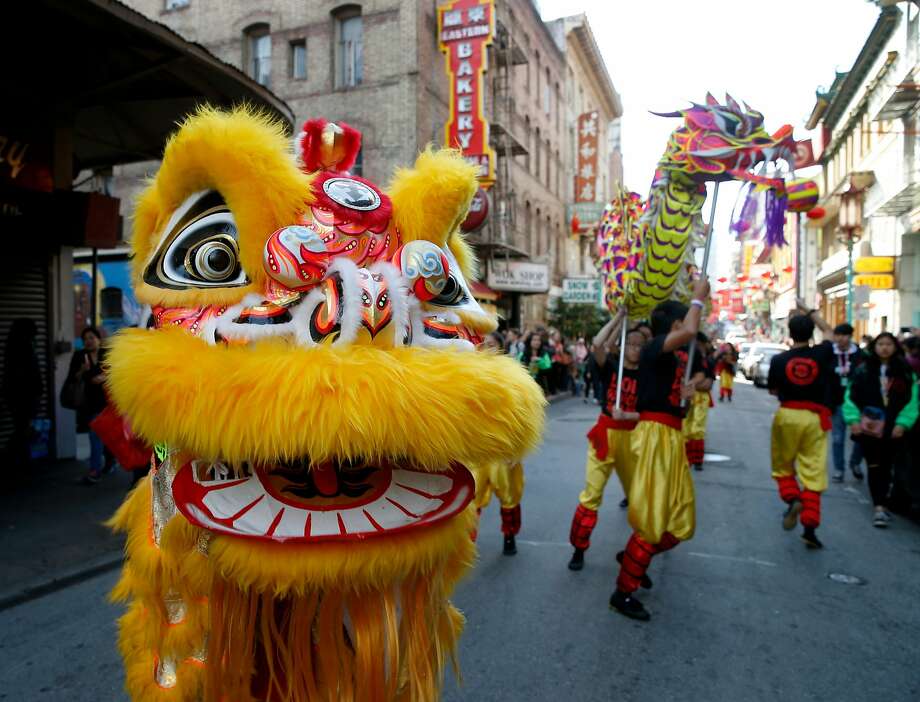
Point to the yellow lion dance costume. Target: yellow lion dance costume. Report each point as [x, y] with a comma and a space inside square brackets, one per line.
[308, 380]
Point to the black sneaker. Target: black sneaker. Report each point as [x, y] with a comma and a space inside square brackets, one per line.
[645, 582]
[810, 539]
[791, 515]
[624, 503]
[857, 473]
[629, 606]
[510, 547]
[721, 398]
[697, 467]
[578, 559]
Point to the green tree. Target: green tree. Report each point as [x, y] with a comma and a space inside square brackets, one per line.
[575, 320]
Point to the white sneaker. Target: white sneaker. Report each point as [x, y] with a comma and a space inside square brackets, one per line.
[881, 519]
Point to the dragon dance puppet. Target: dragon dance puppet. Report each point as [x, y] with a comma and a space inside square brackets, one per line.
[715, 143]
[307, 376]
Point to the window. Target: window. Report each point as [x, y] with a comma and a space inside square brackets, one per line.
[299, 59]
[558, 103]
[527, 136]
[547, 235]
[548, 163]
[537, 235]
[536, 154]
[176, 4]
[547, 95]
[528, 223]
[537, 73]
[350, 47]
[257, 47]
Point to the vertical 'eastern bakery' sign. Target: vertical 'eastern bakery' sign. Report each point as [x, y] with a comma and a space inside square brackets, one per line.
[465, 29]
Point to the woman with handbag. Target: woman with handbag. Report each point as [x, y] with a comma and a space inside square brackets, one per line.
[880, 407]
[84, 391]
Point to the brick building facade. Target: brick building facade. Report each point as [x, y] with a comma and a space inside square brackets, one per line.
[377, 65]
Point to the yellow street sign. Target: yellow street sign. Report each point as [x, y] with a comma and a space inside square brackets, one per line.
[874, 264]
[876, 281]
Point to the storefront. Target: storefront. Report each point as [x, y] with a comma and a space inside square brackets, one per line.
[526, 284]
[112, 96]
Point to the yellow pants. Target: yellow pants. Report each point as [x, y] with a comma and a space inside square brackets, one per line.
[695, 421]
[661, 496]
[597, 471]
[798, 446]
[726, 379]
[504, 479]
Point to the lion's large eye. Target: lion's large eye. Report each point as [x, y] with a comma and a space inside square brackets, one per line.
[200, 250]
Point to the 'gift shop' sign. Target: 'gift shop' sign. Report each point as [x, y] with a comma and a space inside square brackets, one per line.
[465, 29]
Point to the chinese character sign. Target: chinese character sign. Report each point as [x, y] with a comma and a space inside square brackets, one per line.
[586, 176]
[465, 29]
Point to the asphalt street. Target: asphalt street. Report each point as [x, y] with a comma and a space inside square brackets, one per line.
[741, 612]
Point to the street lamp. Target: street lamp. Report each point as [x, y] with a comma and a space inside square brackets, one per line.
[849, 221]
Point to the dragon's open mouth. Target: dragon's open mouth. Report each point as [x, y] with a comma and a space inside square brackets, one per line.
[333, 501]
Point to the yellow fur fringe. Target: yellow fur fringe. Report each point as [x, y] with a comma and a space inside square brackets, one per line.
[378, 632]
[272, 400]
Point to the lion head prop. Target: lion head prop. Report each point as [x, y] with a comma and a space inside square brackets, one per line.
[308, 379]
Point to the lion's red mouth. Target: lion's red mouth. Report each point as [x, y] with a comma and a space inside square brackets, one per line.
[291, 503]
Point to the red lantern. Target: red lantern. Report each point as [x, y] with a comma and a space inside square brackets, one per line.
[816, 213]
[788, 269]
[723, 279]
[766, 274]
[741, 278]
[576, 224]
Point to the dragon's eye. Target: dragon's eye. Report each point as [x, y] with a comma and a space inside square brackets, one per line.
[201, 248]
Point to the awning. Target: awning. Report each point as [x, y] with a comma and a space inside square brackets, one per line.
[120, 80]
[481, 291]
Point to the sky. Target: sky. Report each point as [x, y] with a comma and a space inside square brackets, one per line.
[663, 54]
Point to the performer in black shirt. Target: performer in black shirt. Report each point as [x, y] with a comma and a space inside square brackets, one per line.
[662, 509]
[803, 379]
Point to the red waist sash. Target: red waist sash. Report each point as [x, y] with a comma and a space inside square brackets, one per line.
[824, 414]
[598, 434]
[669, 420]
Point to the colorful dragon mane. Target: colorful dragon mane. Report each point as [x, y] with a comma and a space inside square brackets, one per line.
[307, 377]
[715, 143]
[619, 246]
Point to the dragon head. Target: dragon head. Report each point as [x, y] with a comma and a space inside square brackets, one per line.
[723, 142]
[309, 367]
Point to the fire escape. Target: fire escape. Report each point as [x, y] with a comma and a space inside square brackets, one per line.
[501, 235]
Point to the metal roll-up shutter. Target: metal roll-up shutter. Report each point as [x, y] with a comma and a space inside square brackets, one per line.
[24, 284]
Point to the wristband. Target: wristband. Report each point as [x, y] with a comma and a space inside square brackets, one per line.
[698, 303]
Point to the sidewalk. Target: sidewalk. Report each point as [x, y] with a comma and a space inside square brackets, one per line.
[51, 531]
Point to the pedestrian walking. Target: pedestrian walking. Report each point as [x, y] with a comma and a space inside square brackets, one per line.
[536, 357]
[609, 440]
[698, 412]
[847, 358]
[726, 369]
[504, 479]
[662, 506]
[802, 379]
[88, 375]
[881, 408]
